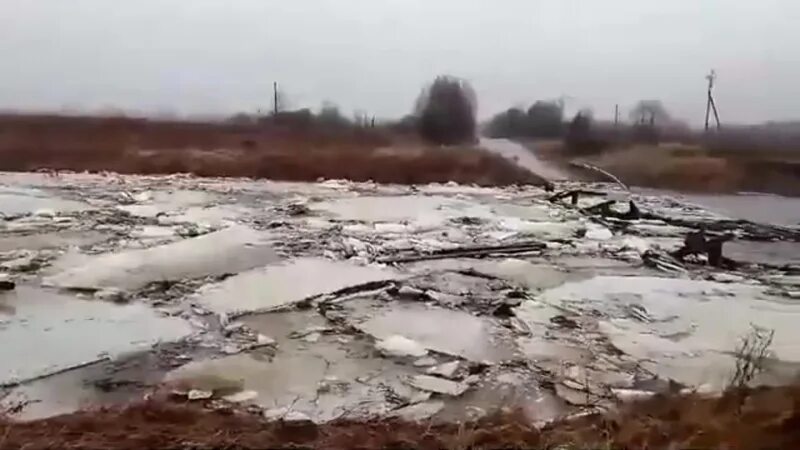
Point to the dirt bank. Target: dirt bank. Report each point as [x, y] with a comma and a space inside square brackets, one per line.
[265, 150]
[744, 420]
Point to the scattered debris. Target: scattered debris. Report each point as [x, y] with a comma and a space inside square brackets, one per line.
[470, 251]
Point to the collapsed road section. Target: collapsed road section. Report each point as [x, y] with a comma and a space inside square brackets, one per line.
[319, 301]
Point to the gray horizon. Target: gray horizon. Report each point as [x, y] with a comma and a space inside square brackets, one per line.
[221, 57]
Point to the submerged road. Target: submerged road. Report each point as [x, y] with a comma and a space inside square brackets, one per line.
[524, 157]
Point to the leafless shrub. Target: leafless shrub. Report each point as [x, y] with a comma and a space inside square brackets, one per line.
[752, 351]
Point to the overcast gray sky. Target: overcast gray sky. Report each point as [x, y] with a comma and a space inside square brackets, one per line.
[221, 56]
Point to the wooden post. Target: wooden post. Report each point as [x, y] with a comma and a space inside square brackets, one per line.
[275, 97]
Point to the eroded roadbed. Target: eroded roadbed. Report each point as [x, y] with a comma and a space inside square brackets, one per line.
[354, 300]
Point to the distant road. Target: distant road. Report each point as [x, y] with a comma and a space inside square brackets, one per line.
[524, 157]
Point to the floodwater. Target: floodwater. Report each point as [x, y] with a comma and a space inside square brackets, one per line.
[281, 298]
[674, 324]
[764, 208]
[44, 332]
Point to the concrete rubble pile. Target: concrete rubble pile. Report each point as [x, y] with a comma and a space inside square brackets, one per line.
[339, 299]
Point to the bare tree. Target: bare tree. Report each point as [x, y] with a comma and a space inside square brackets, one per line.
[651, 112]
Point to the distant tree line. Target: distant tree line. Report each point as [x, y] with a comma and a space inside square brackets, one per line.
[544, 119]
[444, 114]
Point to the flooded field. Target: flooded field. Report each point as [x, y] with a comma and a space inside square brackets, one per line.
[340, 299]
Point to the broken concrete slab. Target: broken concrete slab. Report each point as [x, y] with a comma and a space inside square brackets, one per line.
[230, 250]
[282, 284]
[438, 385]
[397, 345]
[41, 342]
[451, 332]
[446, 370]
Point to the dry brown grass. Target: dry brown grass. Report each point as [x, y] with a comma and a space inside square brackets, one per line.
[764, 418]
[691, 168]
[275, 151]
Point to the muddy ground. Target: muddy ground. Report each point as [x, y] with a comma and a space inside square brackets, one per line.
[358, 301]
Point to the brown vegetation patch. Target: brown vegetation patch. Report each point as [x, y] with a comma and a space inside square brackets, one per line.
[264, 150]
[688, 168]
[764, 418]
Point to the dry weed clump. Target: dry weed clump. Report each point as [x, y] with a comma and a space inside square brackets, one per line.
[751, 354]
[692, 168]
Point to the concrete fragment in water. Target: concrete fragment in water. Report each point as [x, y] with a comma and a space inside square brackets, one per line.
[48, 332]
[282, 284]
[398, 345]
[446, 370]
[198, 394]
[229, 250]
[438, 385]
[598, 232]
[262, 340]
[286, 414]
[425, 362]
[419, 411]
[241, 397]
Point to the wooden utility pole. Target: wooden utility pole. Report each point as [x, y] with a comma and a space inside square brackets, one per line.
[616, 115]
[710, 104]
[275, 98]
